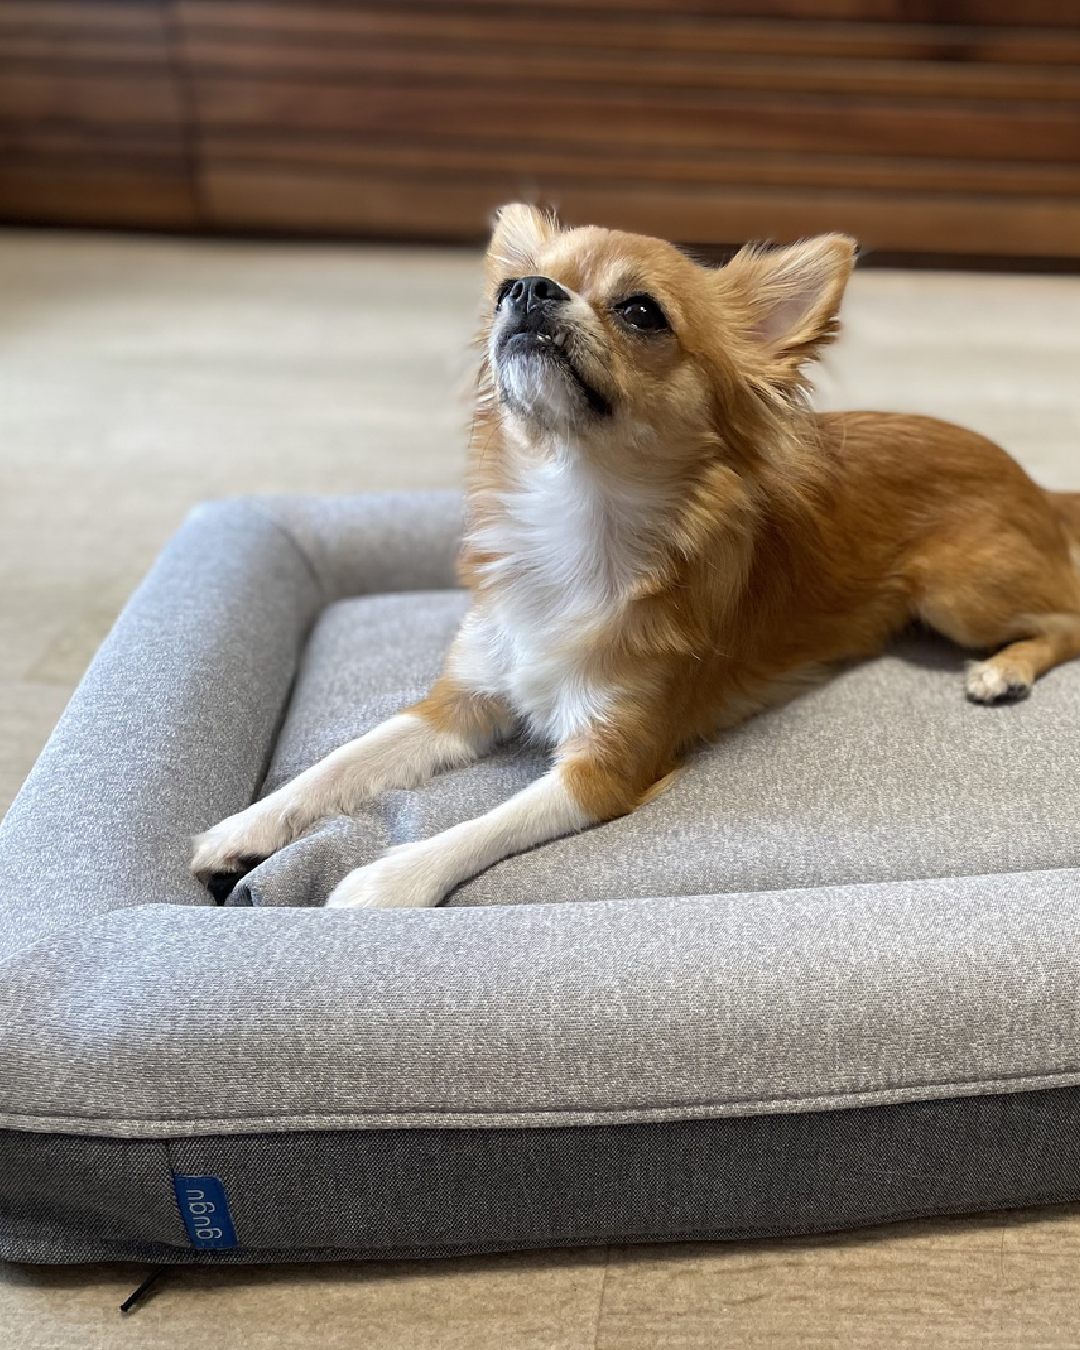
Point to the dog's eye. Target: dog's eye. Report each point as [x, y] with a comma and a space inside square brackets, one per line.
[643, 313]
[503, 291]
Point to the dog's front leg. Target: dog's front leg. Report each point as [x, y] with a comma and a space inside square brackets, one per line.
[450, 728]
[581, 790]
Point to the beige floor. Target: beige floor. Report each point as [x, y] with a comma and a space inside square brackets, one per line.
[137, 377]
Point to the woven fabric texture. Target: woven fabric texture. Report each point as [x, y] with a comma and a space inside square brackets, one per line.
[867, 897]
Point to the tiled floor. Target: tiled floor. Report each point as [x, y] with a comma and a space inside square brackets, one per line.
[137, 377]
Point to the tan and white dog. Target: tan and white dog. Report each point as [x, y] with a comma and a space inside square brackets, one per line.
[664, 539]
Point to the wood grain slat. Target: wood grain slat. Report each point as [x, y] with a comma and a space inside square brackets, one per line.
[532, 168]
[143, 194]
[136, 19]
[84, 143]
[1040, 133]
[319, 26]
[80, 46]
[280, 58]
[240, 196]
[1043, 13]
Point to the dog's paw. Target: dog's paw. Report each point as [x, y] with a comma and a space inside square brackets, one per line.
[405, 878]
[239, 843]
[989, 682]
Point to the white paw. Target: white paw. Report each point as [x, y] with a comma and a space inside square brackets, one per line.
[405, 878]
[987, 682]
[240, 841]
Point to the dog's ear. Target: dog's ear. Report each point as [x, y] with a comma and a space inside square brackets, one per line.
[787, 300]
[520, 232]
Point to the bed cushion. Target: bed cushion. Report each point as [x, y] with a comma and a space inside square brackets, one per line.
[828, 978]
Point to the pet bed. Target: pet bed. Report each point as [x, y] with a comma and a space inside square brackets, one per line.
[827, 979]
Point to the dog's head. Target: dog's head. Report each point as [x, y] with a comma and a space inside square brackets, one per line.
[617, 344]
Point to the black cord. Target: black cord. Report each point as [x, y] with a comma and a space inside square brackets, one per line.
[139, 1294]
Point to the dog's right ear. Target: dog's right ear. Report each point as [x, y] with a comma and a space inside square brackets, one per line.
[787, 300]
[520, 232]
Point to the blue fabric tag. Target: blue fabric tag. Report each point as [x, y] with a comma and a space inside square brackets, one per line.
[205, 1211]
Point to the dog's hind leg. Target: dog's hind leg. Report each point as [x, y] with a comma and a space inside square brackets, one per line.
[1015, 600]
[1008, 675]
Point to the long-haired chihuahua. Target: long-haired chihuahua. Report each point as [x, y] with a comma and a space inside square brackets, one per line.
[663, 539]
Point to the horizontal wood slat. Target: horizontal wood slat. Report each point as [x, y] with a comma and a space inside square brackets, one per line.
[144, 193]
[49, 48]
[1046, 13]
[321, 26]
[347, 156]
[279, 57]
[55, 145]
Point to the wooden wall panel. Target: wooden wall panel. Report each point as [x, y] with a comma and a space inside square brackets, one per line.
[93, 125]
[708, 122]
[921, 125]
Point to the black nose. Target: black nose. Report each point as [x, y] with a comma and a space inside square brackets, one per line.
[528, 292]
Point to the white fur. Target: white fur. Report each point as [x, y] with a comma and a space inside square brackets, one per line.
[537, 386]
[400, 753]
[568, 550]
[423, 873]
[988, 681]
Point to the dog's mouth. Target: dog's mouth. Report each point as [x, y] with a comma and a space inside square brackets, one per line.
[541, 339]
[540, 342]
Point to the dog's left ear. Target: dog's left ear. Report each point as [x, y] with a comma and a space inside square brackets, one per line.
[788, 299]
[520, 232]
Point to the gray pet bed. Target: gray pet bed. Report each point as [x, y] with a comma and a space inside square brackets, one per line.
[828, 979]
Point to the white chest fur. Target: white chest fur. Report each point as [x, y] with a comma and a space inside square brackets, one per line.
[568, 549]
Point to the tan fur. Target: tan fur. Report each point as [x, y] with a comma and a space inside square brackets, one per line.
[797, 540]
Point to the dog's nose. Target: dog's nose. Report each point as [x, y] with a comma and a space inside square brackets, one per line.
[528, 292]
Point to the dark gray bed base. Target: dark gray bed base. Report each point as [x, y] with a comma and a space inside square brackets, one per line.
[441, 1192]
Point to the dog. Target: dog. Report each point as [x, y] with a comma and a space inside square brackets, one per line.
[663, 539]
